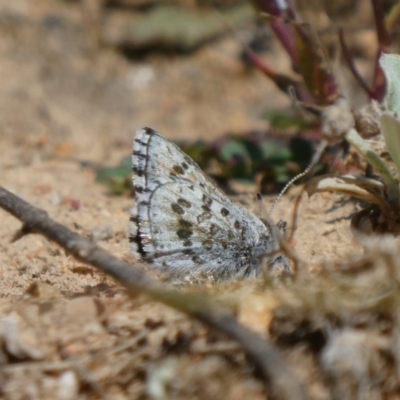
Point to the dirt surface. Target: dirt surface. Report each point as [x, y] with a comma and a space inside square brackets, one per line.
[68, 105]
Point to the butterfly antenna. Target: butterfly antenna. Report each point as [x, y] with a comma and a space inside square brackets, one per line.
[316, 157]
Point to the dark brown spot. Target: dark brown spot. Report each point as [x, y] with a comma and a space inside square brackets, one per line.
[207, 200]
[237, 225]
[149, 131]
[187, 243]
[206, 208]
[188, 252]
[184, 233]
[189, 161]
[139, 154]
[224, 212]
[185, 224]
[178, 170]
[137, 240]
[133, 239]
[138, 171]
[185, 166]
[176, 208]
[184, 203]
[224, 244]
[213, 229]
[140, 142]
[196, 260]
[202, 217]
[141, 189]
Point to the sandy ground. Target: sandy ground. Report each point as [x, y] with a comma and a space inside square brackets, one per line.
[64, 102]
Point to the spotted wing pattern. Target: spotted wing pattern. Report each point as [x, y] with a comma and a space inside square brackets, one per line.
[183, 224]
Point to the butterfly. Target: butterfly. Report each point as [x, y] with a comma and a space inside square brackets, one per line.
[187, 227]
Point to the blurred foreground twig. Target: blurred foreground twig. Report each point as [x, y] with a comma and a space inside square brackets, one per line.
[281, 382]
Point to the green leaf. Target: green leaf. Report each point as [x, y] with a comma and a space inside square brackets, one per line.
[391, 182]
[286, 119]
[390, 64]
[200, 152]
[275, 152]
[118, 179]
[366, 189]
[233, 148]
[390, 126]
[236, 160]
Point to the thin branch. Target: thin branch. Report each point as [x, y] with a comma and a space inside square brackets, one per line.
[281, 382]
[350, 63]
[384, 36]
[393, 17]
[282, 81]
[278, 18]
[385, 43]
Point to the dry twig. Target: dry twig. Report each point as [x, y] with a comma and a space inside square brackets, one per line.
[281, 382]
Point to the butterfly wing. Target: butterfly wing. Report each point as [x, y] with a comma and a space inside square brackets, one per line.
[183, 223]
